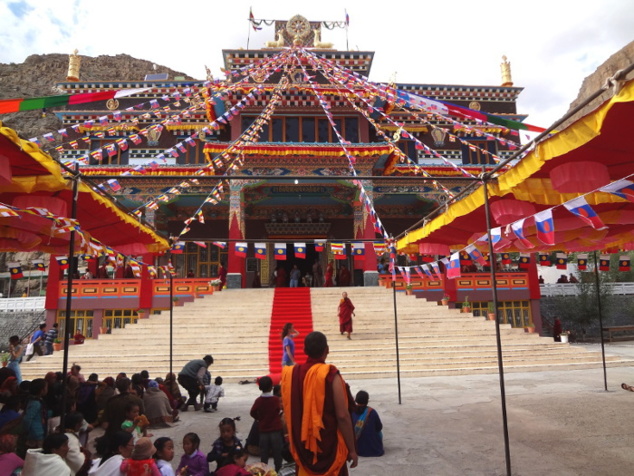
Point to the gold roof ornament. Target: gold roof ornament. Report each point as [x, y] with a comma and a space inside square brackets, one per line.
[74, 63]
[505, 67]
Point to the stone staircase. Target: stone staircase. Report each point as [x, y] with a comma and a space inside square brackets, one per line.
[234, 326]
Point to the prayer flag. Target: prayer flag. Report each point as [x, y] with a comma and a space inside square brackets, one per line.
[544, 259]
[621, 188]
[220, 244]
[114, 185]
[436, 269]
[545, 227]
[252, 20]
[604, 263]
[518, 230]
[358, 251]
[280, 251]
[506, 258]
[300, 250]
[453, 267]
[39, 265]
[582, 261]
[319, 245]
[178, 248]
[202, 244]
[426, 270]
[561, 262]
[16, 270]
[465, 259]
[525, 260]
[476, 255]
[496, 235]
[260, 250]
[379, 248]
[338, 250]
[580, 207]
[624, 263]
[63, 262]
[241, 250]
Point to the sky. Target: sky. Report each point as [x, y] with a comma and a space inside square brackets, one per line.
[552, 45]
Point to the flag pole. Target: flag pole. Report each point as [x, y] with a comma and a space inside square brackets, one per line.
[249, 33]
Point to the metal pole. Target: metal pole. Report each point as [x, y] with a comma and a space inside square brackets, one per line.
[171, 320]
[69, 293]
[28, 281]
[507, 449]
[398, 360]
[596, 278]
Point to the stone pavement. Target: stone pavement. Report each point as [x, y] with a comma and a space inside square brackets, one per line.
[560, 422]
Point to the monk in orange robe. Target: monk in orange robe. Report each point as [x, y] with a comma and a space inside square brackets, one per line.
[316, 404]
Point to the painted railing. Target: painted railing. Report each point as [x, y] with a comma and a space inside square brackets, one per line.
[572, 289]
[22, 304]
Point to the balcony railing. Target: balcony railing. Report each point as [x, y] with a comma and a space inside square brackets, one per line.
[22, 304]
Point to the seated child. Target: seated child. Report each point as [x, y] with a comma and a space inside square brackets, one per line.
[193, 462]
[135, 423]
[224, 446]
[236, 468]
[141, 462]
[214, 392]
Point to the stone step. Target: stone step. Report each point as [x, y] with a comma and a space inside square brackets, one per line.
[234, 327]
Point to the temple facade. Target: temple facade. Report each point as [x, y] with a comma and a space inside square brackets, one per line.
[294, 176]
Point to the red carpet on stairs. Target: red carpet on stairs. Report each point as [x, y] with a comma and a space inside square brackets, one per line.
[289, 305]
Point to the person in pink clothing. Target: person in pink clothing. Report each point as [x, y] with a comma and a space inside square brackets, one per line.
[236, 468]
[9, 461]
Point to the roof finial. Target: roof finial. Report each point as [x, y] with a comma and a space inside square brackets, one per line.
[74, 62]
[505, 67]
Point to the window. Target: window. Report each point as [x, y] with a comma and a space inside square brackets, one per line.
[475, 155]
[80, 322]
[306, 129]
[118, 318]
[203, 261]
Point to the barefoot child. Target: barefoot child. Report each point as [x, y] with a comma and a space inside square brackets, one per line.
[193, 462]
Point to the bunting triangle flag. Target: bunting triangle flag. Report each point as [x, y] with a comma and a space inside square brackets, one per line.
[453, 267]
[580, 207]
[545, 227]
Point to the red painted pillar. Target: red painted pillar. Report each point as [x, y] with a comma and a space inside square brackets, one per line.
[535, 292]
[146, 291]
[52, 286]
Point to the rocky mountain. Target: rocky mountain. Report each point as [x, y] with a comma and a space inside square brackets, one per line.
[39, 74]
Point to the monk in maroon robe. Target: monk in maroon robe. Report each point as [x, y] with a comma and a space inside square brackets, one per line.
[280, 278]
[317, 407]
[346, 311]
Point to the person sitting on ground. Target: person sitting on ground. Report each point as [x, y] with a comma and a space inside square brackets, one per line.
[115, 411]
[157, 406]
[214, 392]
[367, 427]
[48, 460]
[572, 279]
[225, 445]
[172, 390]
[77, 458]
[134, 422]
[34, 420]
[239, 458]
[141, 462]
[563, 279]
[193, 461]
[113, 448]
[164, 455]
[9, 461]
